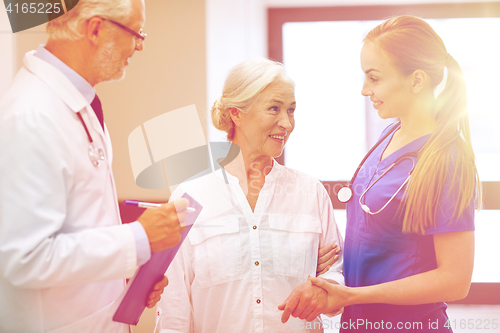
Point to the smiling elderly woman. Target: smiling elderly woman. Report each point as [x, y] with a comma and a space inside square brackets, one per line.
[258, 236]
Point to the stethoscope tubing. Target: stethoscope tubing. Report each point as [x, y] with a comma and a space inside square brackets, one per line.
[345, 193]
[392, 130]
[95, 155]
[85, 127]
[401, 158]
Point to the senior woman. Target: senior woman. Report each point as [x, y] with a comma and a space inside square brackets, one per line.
[258, 236]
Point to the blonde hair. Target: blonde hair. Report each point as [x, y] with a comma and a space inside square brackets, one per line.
[69, 25]
[243, 84]
[412, 44]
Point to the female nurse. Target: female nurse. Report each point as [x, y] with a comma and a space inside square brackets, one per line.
[409, 243]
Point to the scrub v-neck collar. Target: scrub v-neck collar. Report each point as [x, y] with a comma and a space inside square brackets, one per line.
[412, 146]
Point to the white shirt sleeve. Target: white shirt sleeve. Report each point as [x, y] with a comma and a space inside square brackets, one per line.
[330, 235]
[176, 299]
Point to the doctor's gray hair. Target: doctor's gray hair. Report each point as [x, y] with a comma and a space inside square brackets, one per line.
[244, 83]
[69, 26]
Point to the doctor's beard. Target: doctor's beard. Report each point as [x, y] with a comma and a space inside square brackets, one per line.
[108, 63]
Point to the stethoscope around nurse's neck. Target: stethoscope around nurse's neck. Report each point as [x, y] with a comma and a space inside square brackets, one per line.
[345, 193]
[96, 155]
[398, 160]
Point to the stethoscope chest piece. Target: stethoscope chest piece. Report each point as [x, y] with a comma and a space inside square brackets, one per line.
[95, 155]
[344, 194]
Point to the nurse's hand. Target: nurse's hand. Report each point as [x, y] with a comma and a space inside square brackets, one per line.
[305, 302]
[337, 296]
[327, 256]
[163, 224]
[155, 295]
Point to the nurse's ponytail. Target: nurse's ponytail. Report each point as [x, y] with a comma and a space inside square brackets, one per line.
[448, 154]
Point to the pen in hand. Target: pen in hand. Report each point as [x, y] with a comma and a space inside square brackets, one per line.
[143, 204]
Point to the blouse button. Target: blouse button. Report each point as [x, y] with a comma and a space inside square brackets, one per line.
[256, 263]
[258, 301]
[254, 227]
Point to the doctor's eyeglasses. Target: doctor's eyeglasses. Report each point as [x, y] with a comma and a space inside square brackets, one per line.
[399, 160]
[138, 36]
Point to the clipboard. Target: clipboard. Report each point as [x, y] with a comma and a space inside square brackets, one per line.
[134, 297]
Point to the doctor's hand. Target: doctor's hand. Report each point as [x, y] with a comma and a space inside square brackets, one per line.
[163, 224]
[155, 295]
[327, 256]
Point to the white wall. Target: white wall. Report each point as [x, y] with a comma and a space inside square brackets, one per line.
[236, 30]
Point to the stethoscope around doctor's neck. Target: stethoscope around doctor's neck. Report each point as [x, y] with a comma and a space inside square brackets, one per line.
[345, 193]
[96, 155]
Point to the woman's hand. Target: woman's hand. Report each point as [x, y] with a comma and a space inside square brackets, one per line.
[155, 295]
[327, 256]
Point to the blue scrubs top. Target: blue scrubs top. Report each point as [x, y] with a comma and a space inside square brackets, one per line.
[377, 251]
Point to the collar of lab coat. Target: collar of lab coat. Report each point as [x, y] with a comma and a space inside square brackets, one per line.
[63, 87]
[83, 86]
[56, 80]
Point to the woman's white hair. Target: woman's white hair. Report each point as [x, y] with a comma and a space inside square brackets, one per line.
[244, 83]
[69, 25]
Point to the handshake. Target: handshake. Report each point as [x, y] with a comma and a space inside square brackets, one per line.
[312, 298]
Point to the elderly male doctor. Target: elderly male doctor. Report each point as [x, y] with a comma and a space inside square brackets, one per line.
[64, 253]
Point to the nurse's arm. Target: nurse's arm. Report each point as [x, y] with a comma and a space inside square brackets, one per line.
[449, 281]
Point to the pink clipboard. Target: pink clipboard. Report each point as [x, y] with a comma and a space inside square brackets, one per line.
[135, 296]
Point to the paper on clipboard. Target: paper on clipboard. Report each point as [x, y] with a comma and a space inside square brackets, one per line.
[133, 300]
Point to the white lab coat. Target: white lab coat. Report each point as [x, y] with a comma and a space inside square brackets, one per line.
[64, 253]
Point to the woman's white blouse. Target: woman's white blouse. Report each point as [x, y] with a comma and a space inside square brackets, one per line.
[236, 266]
